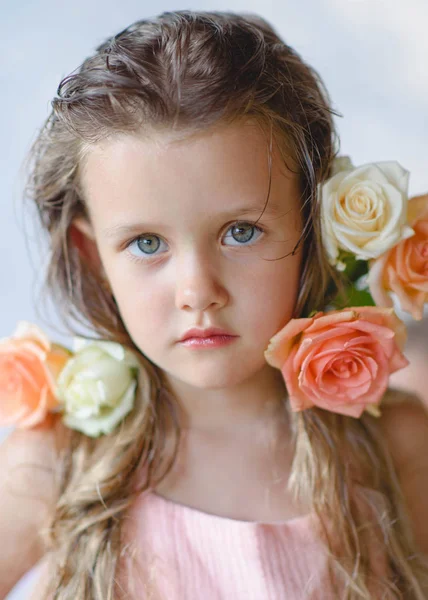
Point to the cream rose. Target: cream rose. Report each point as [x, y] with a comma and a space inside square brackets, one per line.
[341, 163]
[364, 209]
[97, 386]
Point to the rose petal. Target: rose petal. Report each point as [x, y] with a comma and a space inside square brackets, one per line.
[39, 413]
[330, 319]
[281, 343]
[417, 209]
[375, 281]
[28, 331]
[104, 425]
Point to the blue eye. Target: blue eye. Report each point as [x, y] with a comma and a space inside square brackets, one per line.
[243, 232]
[149, 243]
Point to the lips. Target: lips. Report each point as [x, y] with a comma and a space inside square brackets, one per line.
[205, 333]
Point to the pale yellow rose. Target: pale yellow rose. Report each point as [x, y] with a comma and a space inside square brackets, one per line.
[97, 386]
[341, 163]
[364, 209]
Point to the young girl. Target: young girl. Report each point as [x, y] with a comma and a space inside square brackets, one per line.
[177, 178]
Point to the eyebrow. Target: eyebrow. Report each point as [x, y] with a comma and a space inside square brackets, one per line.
[128, 229]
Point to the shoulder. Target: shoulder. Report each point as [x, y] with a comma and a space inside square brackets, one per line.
[30, 462]
[39, 446]
[28, 494]
[404, 425]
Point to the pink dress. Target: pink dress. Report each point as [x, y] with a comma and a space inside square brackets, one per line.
[174, 552]
[181, 553]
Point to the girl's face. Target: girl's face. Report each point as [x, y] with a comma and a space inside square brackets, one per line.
[172, 222]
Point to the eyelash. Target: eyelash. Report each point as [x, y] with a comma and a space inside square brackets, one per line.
[154, 255]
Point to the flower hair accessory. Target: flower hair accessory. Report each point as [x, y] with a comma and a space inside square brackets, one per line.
[377, 239]
[340, 360]
[93, 386]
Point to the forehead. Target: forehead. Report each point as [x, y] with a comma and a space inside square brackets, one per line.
[160, 176]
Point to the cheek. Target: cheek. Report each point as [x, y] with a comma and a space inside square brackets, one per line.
[270, 294]
[145, 309]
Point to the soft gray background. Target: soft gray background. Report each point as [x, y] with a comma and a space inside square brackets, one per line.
[372, 55]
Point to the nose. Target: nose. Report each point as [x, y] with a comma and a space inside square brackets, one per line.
[198, 285]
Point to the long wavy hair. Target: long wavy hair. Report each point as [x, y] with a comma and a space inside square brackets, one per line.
[186, 71]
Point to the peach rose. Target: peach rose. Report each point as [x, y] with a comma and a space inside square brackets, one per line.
[339, 361]
[29, 365]
[404, 269]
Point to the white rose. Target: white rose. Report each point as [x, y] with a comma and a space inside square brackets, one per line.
[364, 209]
[97, 386]
[341, 163]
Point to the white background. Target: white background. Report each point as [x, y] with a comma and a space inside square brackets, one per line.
[372, 55]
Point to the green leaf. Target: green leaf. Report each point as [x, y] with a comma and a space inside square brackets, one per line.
[354, 268]
[353, 297]
[360, 298]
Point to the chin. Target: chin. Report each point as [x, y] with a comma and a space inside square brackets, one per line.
[214, 377]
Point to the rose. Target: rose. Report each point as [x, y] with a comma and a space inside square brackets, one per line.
[403, 270]
[97, 386]
[29, 365]
[341, 163]
[363, 210]
[339, 361]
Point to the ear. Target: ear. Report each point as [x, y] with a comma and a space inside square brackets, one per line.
[83, 238]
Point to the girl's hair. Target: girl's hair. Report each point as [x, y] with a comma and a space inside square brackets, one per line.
[186, 71]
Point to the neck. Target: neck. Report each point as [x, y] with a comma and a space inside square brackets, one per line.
[241, 408]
